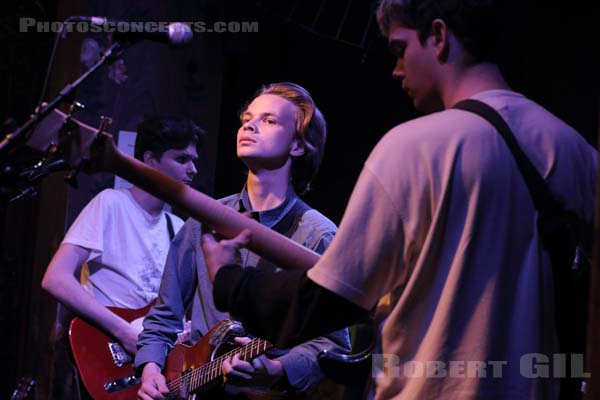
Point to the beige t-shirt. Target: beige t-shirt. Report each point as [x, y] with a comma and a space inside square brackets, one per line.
[441, 218]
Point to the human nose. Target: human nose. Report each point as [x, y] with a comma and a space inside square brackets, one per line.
[191, 169]
[398, 72]
[248, 125]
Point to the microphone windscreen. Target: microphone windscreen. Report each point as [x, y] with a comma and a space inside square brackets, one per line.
[179, 33]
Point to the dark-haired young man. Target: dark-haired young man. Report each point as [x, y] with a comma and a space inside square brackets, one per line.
[124, 235]
[440, 218]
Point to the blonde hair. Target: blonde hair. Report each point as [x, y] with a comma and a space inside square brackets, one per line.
[311, 130]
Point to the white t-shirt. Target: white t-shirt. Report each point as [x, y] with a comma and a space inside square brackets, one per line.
[128, 248]
[441, 218]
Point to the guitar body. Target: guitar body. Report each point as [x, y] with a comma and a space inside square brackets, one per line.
[95, 359]
[184, 357]
[107, 370]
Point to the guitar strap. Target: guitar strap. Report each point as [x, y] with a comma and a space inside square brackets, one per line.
[170, 227]
[565, 238]
[286, 226]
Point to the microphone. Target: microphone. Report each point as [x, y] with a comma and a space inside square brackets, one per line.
[175, 33]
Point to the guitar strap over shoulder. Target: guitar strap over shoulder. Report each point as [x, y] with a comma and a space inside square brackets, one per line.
[170, 227]
[567, 240]
[286, 226]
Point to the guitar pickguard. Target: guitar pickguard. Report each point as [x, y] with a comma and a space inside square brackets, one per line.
[105, 367]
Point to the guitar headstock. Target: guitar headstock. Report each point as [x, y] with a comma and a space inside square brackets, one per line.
[59, 135]
[25, 386]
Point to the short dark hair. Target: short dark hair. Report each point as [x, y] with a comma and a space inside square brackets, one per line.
[473, 22]
[158, 134]
[311, 130]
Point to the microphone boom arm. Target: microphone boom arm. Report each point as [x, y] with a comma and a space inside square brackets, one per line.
[19, 136]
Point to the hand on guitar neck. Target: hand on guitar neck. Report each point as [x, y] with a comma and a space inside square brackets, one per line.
[260, 371]
[257, 371]
[103, 154]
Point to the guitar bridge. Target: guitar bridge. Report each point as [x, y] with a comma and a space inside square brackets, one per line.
[119, 355]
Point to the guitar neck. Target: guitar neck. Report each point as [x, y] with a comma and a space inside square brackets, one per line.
[196, 379]
[101, 154]
[275, 247]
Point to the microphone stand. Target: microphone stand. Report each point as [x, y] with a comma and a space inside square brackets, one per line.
[19, 136]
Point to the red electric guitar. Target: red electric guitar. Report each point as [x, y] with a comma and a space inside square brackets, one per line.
[106, 369]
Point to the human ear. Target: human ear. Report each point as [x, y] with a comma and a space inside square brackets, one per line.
[297, 148]
[440, 39]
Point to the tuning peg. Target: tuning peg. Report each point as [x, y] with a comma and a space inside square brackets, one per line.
[105, 122]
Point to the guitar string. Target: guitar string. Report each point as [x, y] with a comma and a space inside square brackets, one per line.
[209, 372]
[210, 368]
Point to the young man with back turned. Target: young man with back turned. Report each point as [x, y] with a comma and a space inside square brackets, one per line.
[442, 219]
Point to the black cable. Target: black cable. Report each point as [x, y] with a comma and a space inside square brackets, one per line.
[59, 35]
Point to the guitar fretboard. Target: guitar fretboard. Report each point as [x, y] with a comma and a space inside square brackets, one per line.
[191, 381]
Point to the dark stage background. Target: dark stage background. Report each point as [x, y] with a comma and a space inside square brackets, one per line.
[330, 47]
